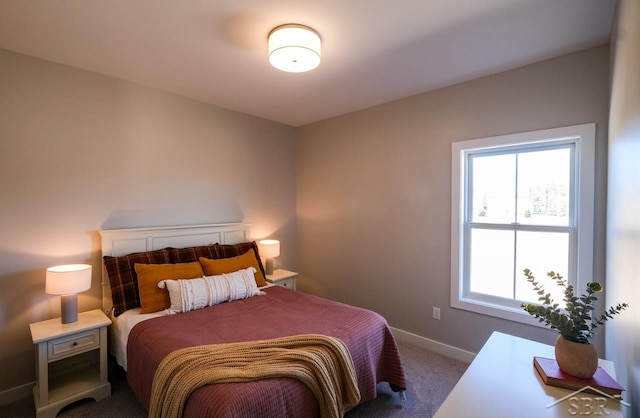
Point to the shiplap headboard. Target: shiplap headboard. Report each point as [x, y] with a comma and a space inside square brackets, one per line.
[117, 242]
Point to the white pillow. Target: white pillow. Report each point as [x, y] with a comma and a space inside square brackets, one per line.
[190, 294]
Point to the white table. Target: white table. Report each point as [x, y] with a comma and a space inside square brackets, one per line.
[71, 361]
[502, 382]
[284, 278]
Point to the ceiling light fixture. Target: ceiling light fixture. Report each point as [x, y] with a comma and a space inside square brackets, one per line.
[294, 48]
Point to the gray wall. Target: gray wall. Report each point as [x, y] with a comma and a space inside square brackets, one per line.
[80, 152]
[623, 223]
[374, 198]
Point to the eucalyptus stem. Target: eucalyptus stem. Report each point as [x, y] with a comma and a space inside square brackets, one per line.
[575, 322]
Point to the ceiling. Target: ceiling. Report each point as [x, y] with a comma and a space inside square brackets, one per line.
[373, 51]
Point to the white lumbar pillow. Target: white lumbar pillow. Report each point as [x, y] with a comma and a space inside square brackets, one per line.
[190, 294]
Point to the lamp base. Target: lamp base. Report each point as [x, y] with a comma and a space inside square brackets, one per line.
[69, 308]
[268, 268]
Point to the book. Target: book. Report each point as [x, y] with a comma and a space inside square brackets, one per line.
[600, 383]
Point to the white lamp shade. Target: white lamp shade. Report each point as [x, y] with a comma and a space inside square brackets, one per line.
[269, 248]
[68, 279]
[294, 48]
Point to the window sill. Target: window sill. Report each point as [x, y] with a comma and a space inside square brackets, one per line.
[497, 311]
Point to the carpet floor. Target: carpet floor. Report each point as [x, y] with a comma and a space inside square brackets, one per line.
[430, 378]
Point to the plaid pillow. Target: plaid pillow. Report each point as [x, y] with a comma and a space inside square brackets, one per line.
[123, 278]
[214, 252]
[191, 254]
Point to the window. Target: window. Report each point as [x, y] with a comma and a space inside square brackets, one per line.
[520, 201]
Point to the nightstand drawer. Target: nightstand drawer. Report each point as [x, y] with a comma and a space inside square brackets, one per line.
[73, 344]
[288, 283]
[283, 278]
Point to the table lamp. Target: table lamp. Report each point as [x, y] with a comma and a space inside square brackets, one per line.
[68, 280]
[269, 249]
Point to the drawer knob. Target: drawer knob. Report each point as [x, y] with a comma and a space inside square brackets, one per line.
[75, 343]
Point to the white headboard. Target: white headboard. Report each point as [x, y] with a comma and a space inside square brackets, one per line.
[117, 242]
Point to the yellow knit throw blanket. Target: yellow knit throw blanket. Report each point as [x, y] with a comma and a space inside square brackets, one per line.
[322, 363]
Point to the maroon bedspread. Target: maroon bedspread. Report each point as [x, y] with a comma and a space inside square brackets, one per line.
[280, 313]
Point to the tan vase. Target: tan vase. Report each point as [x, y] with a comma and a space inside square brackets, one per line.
[577, 359]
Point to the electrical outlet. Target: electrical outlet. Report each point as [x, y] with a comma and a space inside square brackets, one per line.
[436, 313]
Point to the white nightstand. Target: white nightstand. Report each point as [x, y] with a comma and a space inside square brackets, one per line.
[284, 278]
[71, 361]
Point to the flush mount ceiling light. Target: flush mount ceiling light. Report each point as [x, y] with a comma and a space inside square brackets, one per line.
[294, 48]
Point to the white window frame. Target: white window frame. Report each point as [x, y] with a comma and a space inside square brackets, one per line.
[581, 266]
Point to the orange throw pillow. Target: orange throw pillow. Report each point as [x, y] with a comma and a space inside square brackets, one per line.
[229, 265]
[154, 299]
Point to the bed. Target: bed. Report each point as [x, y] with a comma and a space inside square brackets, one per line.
[140, 340]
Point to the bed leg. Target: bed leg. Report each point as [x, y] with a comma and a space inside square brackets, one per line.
[402, 395]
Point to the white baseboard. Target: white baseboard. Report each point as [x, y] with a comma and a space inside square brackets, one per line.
[17, 393]
[432, 345]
